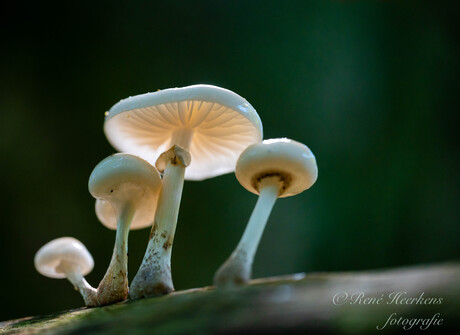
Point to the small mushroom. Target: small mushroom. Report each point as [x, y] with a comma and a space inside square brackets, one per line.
[127, 189]
[195, 132]
[67, 257]
[275, 168]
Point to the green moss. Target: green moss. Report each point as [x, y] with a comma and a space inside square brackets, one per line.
[274, 305]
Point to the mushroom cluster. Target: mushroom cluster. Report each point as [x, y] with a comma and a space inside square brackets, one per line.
[166, 137]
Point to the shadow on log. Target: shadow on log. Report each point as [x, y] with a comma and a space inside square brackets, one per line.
[422, 297]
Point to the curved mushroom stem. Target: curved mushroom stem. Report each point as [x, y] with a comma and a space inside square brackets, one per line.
[237, 268]
[74, 276]
[114, 286]
[154, 275]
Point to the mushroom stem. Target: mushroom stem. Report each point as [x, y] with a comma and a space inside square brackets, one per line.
[238, 267]
[154, 275]
[74, 276]
[182, 137]
[114, 286]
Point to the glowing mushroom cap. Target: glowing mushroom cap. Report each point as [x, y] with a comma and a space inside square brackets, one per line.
[120, 179]
[292, 161]
[214, 124]
[106, 214]
[63, 250]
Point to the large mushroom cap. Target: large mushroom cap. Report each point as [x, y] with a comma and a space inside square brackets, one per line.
[219, 124]
[63, 250]
[291, 160]
[123, 178]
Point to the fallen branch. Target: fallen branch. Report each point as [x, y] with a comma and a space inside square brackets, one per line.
[356, 302]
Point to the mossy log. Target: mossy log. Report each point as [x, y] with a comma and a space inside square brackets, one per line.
[327, 303]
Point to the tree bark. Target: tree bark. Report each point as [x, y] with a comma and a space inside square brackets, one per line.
[329, 303]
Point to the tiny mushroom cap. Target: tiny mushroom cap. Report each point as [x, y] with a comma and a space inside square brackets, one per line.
[122, 178]
[292, 161]
[63, 250]
[214, 124]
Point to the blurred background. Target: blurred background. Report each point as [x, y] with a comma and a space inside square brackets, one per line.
[370, 86]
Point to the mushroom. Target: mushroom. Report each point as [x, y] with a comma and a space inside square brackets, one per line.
[67, 257]
[193, 133]
[275, 168]
[127, 188]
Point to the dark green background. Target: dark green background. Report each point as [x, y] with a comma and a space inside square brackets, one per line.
[371, 87]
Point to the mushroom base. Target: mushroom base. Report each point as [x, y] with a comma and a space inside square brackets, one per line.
[74, 276]
[236, 271]
[152, 282]
[112, 291]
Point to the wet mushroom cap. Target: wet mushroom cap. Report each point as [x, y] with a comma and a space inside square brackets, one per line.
[63, 249]
[120, 177]
[292, 161]
[106, 214]
[218, 123]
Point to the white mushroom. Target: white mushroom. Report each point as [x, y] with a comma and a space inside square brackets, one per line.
[67, 257]
[275, 168]
[195, 132]
[127, 188]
